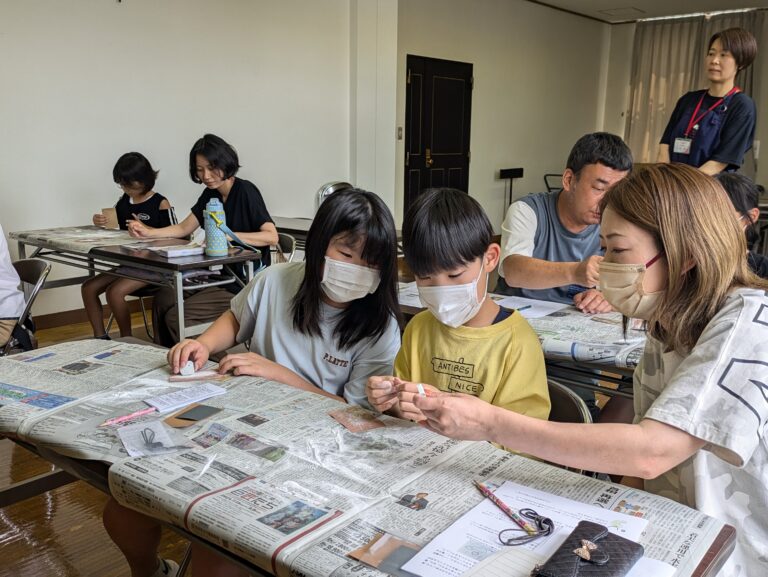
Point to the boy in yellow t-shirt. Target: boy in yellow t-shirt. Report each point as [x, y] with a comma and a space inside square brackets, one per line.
[464, 342]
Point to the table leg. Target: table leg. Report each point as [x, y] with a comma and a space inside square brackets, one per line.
[22, 249]
[177, 282]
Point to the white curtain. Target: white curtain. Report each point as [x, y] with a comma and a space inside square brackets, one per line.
[668, 61]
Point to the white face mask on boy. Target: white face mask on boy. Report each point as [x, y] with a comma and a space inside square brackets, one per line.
[344, 282]
[453, 305]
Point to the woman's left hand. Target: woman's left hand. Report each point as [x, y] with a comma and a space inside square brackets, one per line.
[457, 416]
[250, 364]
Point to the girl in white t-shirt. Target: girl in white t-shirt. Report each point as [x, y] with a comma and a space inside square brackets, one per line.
[675, 258]
[325, 325]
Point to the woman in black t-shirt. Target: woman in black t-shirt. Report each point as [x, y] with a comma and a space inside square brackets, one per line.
[214, 163]
[712, 129]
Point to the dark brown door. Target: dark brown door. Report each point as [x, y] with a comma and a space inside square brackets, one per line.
[438, 108]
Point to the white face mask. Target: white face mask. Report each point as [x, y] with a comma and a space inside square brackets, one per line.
[344, 282]
[453, 305]
[622, 287]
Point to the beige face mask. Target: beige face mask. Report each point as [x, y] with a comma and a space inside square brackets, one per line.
[622, 286]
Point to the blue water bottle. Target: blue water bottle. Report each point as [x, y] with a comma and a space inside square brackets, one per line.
[215, 238]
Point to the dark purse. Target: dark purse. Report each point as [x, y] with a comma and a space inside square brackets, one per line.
[591, 551]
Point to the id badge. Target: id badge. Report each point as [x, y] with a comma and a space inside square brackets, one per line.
[682, 146]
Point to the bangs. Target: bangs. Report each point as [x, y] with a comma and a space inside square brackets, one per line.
[444, 229]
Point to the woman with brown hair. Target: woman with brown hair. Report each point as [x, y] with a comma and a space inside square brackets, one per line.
[675, 258]
[712, 129]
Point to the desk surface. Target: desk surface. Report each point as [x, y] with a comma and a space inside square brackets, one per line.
[295, 487]
[96, 241]
[141, 255]
[292, 225]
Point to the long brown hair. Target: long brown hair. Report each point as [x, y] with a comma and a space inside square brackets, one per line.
[691, 219]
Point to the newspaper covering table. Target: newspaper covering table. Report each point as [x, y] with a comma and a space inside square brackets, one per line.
[571, 335]
[276, 477]
[81, 239]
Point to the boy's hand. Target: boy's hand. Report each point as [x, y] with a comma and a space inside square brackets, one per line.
[187, 350]
[382, 393]
[99, 220]
[406, 393]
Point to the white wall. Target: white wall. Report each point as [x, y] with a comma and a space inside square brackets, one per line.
[537, 83]
[373, 65]
[87, 80]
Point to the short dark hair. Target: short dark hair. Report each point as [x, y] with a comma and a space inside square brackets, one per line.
[218, 152]
[745, 196]
[360, 215]
[600, 148]
[444, 229]
[739, 42]
[134, 167]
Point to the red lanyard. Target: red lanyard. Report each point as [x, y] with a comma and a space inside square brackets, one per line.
[694, 120]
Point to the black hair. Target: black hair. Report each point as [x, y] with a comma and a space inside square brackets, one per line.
[745, 196]
[218, 152]
[358, 214]
[134, 167]
[444, 229]
[600, 147]
[739, 42]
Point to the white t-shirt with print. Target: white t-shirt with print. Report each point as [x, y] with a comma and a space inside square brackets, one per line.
[718, 393]
[263, 310]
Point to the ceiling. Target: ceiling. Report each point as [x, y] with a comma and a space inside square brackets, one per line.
[615, 11]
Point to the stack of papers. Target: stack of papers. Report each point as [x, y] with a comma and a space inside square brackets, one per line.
[177, 250]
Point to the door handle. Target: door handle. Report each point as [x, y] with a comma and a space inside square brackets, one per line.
[429, 160]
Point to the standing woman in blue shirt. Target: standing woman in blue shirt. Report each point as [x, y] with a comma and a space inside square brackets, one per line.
[712, 129]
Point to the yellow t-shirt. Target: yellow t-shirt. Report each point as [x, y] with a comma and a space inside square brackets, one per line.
[502, 364]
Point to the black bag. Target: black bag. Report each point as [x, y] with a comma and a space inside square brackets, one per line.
[591, 551]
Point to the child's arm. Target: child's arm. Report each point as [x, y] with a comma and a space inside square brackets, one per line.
[186, 227]
[258, 366]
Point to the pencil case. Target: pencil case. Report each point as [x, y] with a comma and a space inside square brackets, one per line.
[591, 551]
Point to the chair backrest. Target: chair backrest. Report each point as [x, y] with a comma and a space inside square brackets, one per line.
[553, 181]
[285, 249]
[32, 272]
[172, 215]
[567, 406]
[329, 188]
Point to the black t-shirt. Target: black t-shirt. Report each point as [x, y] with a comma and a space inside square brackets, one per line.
[148, 212]
[245, 211]
[737, 132]
[758, 263]
[502, 315]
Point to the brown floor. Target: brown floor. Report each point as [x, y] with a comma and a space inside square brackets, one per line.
[59, 533]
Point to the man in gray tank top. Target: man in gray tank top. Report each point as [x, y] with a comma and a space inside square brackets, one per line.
[551, 241]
